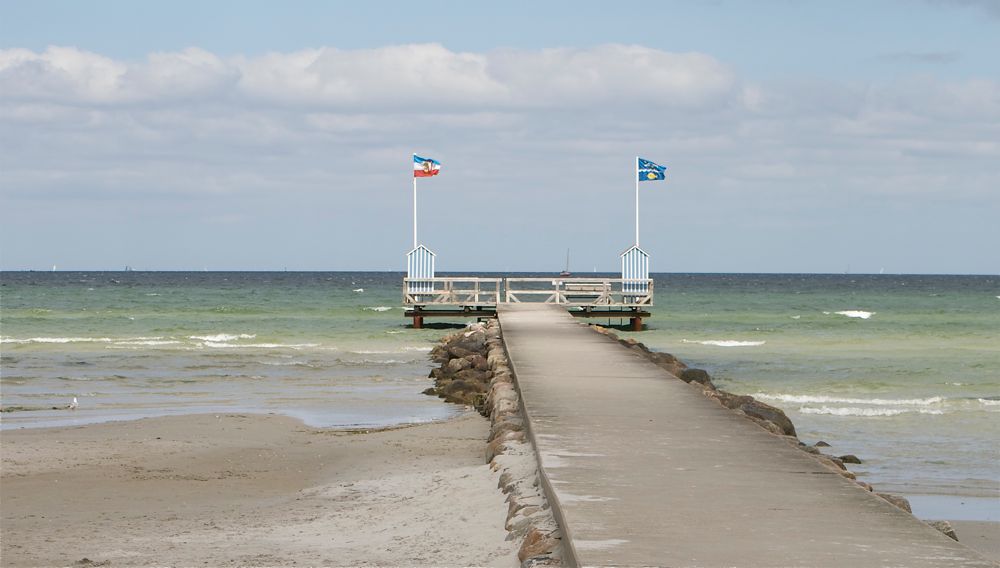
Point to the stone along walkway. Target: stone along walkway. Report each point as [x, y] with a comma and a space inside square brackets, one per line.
[642, 470]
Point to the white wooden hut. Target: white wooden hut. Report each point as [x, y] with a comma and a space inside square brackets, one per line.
[635, 272]
[420, 266]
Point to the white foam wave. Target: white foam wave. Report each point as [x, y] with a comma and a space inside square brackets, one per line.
[988, 401]
[149, 342]
[223, 337]
[860, 411]
[287, 364]
[822, 399]
[726, 343]
[422, 349]
[855, 314]
[377, 308]
[58, 340]
[221, 345]
[372, 361]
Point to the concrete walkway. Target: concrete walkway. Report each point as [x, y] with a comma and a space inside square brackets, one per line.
[642, 470]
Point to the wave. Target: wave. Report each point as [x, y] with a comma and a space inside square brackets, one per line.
[57, 340]
[121, 340]
[857, 411]
[820, 399]
[222, 345]
[148, 342]
[726, 343]
[989, 401]
[223, 337]
[372, 362]
[855, 314]
[288, 364]
[377, 308]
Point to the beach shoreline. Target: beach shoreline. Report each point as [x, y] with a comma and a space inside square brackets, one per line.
[251, 489]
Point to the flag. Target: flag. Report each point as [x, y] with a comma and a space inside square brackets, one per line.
[648, 171]
[425, 167]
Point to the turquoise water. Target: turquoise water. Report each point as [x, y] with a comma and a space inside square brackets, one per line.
[331, 349]
[903, 371]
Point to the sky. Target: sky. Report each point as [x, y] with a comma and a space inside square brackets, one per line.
[813, 137]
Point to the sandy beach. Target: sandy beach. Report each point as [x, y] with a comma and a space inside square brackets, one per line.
[241, 489]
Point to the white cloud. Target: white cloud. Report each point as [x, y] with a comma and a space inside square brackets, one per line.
[405, 76]
[323, 134]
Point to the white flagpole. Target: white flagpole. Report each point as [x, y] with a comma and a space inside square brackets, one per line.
[414, 210]
[637, 201]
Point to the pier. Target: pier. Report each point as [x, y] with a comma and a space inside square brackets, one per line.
[642, 470]
[466, 296]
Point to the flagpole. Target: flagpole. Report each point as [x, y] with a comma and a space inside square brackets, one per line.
[414, 210]
[637, 201]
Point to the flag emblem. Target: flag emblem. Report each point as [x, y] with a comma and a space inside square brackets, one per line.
[425, 167]
[649, 171]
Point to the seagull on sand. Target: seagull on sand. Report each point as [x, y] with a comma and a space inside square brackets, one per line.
[74, 404]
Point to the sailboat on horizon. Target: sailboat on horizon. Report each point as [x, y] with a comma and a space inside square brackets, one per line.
[566, 271]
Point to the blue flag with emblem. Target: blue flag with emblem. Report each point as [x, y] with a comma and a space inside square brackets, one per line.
[649, 171]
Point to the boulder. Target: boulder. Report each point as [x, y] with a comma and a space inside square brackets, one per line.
[850, 458]
[537, 543]
[499, 444]
[945, 527]
[699, 376]
[459, 352]
[456, 365]
[669, 363]
[767, 425]
[478, 362]
[822, 444]
[502, 407]
[727, 399]
[829, 462]
[509, 423]
[767, 412]
[896, 500]
[470, 375]
[458, 391]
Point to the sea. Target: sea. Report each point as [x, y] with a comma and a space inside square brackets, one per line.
[902, 371]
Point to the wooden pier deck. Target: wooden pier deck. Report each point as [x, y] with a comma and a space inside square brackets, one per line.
[641, 470]
[469, 296]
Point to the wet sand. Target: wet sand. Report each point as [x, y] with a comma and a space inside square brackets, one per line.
[226, 490]
[983, 536]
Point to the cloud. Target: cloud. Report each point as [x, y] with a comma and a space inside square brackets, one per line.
[315, 142]
[393, 77]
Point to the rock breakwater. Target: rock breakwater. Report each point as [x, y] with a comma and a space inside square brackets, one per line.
[474, 370]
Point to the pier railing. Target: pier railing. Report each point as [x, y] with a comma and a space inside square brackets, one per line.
[452, 290]
[581, 292]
